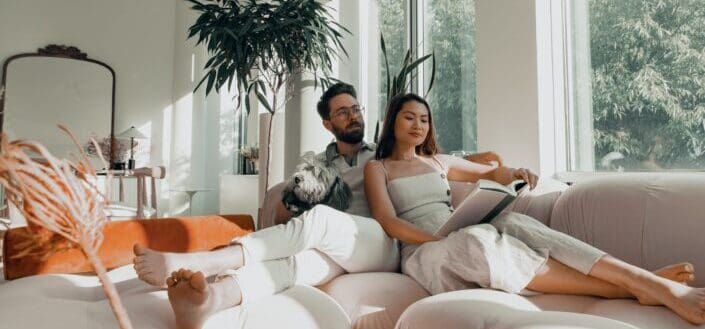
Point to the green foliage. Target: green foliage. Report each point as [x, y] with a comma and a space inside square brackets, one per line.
[262, 44]
[450, 32]
[648, 82]
[392, 20]
[401, 82]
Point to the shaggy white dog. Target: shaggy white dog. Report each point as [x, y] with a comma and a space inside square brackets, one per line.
[316, 181]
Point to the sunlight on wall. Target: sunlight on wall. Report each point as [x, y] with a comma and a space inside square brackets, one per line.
[180, 159]
[193, 67]
[143, 150]
[228, 119]
[167, 114]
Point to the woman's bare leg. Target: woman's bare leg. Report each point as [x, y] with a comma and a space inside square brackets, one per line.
[557, 278]
[154, 266]
[193, 300]
[688, 302]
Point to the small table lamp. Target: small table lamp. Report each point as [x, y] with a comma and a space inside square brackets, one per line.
[132, 133]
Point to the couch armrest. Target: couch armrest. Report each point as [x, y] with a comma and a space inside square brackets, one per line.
[649, 220]
[185, 234]
[272, 200]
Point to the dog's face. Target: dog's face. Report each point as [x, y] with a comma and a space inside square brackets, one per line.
[313, 179]
[316, 181]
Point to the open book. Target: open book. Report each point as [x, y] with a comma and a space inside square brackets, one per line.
[482, 204]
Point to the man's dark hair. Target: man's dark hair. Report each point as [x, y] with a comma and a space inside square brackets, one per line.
[323, 105]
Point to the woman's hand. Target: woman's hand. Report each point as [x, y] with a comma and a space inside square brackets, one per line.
[526, 175]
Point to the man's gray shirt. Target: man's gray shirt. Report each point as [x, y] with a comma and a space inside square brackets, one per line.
[353, 175]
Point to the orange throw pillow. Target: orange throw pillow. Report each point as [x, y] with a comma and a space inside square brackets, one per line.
[186, 234]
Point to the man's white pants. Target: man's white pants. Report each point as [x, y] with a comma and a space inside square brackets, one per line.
[311, 249]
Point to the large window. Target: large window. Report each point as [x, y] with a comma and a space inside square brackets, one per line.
[636, 84]
[449, 32]
[446, 28]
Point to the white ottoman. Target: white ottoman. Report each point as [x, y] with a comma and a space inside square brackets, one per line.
[484, 308]
[61, 301]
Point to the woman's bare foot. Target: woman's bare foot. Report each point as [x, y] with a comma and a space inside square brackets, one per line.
[682, 273]
[687, 302]
[191, 298]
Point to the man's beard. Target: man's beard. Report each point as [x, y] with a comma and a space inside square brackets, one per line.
[350, 137]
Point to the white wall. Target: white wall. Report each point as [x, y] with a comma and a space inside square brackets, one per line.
[507, 100]
[193, 118]
[134, 37]
[145, 43]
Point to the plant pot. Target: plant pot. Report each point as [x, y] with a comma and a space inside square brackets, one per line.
[118, 166]
[275, 170]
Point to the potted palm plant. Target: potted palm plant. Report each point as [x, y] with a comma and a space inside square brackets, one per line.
[261, 46]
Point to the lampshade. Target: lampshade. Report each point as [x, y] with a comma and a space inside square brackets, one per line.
[132, 133]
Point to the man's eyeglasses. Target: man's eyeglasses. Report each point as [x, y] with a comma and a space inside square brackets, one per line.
[345, 113]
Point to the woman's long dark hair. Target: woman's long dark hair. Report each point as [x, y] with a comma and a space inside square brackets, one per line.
[387, 138]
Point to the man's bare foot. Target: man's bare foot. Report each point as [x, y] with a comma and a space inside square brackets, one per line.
[192, 300]
[154, 266]
[682, 273]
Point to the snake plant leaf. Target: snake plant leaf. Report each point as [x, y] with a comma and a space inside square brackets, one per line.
[433, 74]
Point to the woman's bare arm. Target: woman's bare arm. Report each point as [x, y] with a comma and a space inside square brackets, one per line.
[465, 171]
[383, 211]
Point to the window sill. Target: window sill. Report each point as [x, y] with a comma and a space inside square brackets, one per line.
[571, 177]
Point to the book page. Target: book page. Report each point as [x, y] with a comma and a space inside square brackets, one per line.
[480, 206]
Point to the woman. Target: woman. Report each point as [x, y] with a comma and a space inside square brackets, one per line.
[408, 193]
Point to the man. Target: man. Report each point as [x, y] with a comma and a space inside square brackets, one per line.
[310, 249]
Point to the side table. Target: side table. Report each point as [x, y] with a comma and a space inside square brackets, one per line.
[190, 192]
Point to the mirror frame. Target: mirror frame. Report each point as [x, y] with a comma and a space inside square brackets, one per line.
[59, 51]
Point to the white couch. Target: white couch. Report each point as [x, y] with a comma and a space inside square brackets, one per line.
[647, 219]
[650, 220]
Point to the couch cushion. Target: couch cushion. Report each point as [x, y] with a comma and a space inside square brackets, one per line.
[538, 203]
[484, 308]
[69, 301]
[647, 219]
[624, 310]
[185, 234]
[374, 300]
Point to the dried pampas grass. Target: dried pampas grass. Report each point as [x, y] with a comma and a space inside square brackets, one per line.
[59, 199]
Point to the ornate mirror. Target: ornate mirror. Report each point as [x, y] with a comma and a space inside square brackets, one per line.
[57, 84]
